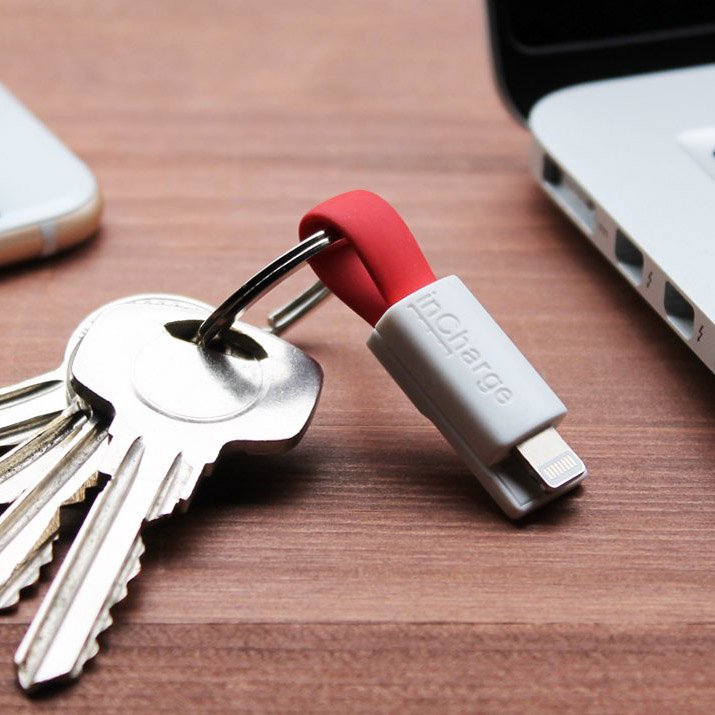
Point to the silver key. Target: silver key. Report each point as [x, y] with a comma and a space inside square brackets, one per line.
[28, 407]
[176, 407]
[25, 465]
[53, 469]
[29, 527]
[56, 466]
[25, 408]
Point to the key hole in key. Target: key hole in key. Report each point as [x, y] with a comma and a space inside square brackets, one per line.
[232, 343]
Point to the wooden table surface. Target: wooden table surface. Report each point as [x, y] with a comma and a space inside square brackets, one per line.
[365, 570]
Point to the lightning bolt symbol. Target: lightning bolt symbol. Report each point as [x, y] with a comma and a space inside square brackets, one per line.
[700, 333]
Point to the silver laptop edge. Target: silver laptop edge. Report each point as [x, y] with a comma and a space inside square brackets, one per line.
[628, 161]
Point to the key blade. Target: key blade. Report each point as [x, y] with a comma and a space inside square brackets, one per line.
[25, 408]
[177, 489]
[26, 463]
[22, 433]
[29, 527]
[94, 576]
[26, 575]
[40, 664]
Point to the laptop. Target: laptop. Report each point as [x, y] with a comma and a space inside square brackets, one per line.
[619, 97]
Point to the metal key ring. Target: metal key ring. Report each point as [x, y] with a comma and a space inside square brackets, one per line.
[264, 281]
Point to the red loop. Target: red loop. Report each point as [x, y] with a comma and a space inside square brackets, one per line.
[379, 264]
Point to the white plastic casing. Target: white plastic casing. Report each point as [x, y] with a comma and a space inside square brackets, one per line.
[463, 373]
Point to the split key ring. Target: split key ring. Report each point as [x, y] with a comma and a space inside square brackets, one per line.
[263, 282]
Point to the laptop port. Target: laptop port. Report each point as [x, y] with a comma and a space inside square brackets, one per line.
[629, 257]
[680, 313]
[569, 195]
[551, 171]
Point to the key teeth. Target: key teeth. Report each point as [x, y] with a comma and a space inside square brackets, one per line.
[26, 576]
[180, 484]
[132, 567]
[81, 494]
[92, 651]
[189, 486]
[29, 681]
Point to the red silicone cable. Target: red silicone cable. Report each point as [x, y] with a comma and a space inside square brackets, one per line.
[378, 264]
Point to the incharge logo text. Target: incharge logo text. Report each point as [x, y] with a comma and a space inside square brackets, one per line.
[447, 329]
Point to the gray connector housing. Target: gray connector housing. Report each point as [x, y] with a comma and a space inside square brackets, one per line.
[464, 374]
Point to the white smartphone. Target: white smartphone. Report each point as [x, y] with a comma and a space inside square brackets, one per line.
[49, 199]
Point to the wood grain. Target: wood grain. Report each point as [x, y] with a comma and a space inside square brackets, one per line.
[366, 571]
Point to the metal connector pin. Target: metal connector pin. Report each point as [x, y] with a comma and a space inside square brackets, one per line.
[550, 460]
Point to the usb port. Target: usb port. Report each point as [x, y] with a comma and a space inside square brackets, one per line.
[569, 195]
[629, 257]
[679, 311]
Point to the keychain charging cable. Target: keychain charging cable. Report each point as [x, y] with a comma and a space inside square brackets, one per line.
[446, 353]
